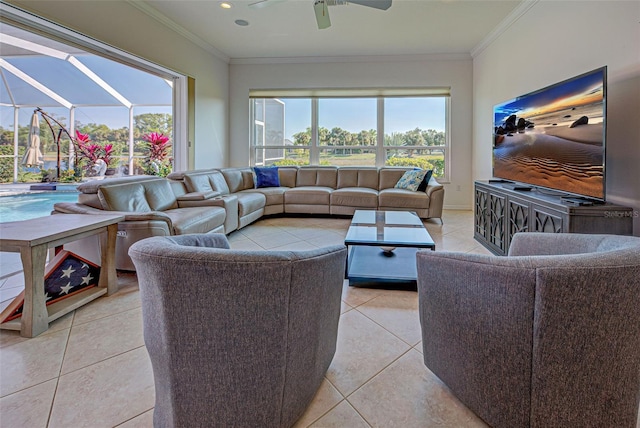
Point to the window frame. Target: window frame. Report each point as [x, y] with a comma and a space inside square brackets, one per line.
[314, 96]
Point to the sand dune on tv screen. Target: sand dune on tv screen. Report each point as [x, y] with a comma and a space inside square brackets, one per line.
[551, 161]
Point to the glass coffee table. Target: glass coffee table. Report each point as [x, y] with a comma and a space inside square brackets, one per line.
[382, 246]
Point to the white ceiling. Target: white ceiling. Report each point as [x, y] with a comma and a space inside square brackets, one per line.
[287, 29]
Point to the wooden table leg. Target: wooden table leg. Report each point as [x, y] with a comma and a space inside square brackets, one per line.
[108, 274]
[35, 318]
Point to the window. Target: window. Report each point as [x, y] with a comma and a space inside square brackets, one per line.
[389, 129]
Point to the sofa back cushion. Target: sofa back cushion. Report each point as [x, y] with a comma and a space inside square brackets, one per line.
[238, 179]
[124, 197]
[358, 177]
[159, 195]
[317, 176]
[390, 176]
[212, 181]
[287, 175]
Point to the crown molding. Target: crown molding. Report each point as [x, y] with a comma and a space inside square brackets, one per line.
[343, 59]
[510, 19]
[164, 20]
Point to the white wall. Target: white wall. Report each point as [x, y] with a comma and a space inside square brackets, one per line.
[122, 25]
[551, 42]
[455, 72]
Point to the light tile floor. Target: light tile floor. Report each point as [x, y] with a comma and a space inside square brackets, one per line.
[91, 368]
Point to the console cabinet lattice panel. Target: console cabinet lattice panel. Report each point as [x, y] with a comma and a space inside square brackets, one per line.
[497, 222]
[518, 218]
[500, 213]
[481, 223]
[548, 222]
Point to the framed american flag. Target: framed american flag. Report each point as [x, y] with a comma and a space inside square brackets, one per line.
[66, 274]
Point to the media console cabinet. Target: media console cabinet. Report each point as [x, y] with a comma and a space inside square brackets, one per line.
[501, 212]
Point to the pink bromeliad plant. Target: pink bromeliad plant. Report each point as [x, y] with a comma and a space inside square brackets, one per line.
[92, 152]
[157, 148]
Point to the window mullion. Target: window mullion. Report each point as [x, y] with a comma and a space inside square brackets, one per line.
[380, 152]
[314, 153]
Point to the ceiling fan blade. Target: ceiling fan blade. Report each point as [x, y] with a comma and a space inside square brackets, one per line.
[377, 4]
[322, 14]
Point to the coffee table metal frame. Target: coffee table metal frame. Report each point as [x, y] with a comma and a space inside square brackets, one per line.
[371, 230]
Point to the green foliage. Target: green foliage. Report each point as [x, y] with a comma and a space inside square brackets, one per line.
[290, 162]
[6, 164]
[416, 162]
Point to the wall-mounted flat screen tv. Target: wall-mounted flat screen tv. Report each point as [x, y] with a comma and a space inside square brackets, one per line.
[555, 137]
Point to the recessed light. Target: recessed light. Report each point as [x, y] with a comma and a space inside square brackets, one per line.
[225, 5]
[242, 22]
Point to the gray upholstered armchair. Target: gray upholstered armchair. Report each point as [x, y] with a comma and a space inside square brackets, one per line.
[546, 337]
[236, 338]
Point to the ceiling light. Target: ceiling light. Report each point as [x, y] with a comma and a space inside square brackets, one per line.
[241, 22]
[225, 5]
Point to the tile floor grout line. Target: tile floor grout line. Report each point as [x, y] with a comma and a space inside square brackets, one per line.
[103, 360]
[133, 417]
[386, 329]
[64, 354]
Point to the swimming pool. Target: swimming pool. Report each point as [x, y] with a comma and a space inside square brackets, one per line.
[32, 205]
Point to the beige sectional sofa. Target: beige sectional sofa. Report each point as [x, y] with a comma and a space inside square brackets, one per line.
[315, 190]
[224, 200]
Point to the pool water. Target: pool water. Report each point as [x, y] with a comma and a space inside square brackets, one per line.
[32, 205]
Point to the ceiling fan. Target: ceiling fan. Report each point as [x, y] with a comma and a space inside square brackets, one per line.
[321, 7]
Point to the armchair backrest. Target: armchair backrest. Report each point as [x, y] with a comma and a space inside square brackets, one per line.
[236, 338]
[548, 336]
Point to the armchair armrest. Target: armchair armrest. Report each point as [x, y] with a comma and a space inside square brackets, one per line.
[549, 244]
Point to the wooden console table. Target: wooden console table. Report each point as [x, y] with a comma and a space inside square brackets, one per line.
[32, 239]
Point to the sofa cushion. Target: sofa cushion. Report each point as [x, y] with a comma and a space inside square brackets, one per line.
[410, 180]
[317, 176]
[267, 176]
[287, 175]
[196, 219]
[355, 197]
[218, 183]
[402, 198]
[389, 176]
[308, 195]
[124, 197]
[159, 194]
[274, 195]
[249, 202]
[197, 183]
[238, 179]
[358, 177]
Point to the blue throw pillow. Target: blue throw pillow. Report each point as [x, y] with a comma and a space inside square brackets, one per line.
[267, 176]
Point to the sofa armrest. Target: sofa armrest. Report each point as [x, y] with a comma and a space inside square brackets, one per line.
[433, 186]
[74, 208]
[198, 196]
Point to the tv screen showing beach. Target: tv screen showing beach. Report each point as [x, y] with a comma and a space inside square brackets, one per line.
[554, 137]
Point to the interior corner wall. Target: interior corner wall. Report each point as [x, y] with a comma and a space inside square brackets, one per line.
[454, 73]
[125, 27]
[551, 42]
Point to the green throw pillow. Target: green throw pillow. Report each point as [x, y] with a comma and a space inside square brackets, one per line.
[410, 180]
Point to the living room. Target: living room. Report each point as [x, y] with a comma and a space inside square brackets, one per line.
[546, 42]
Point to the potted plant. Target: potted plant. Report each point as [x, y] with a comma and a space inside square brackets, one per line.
[156, 148]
